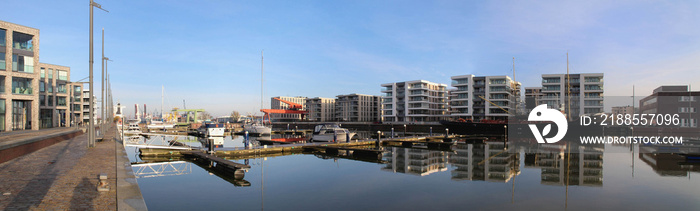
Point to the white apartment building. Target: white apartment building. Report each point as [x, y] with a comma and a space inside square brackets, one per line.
[414, 101]
[276, 104]
[419, 162]
[358, 108]
[478, 162]
[532, 97]
[583, 96]
[321, 109]
[483, 97]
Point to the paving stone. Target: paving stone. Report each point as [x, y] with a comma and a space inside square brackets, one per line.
[63, 176]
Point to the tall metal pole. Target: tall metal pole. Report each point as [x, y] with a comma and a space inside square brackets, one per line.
[102, 82]
[91, 126]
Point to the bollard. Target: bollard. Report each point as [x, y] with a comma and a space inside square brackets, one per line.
[246, 140]
[287, 126]
[404, 131]
[379, 138]
[447, 132]
[392, 132]
[431, 131]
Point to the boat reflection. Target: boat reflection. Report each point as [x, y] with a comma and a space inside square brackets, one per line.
[420, 162]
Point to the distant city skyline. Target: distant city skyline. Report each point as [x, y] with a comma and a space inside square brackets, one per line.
[208, 53]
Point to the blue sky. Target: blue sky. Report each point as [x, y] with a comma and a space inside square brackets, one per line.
[208, 52]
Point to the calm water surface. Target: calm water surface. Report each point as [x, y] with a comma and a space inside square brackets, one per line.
[470, 176]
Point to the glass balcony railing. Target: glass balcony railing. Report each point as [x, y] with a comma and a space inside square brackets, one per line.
[22, 90]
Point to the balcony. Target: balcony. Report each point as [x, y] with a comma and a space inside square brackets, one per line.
[22, 41]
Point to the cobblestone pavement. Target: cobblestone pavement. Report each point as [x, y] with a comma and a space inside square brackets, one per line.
[63, 176]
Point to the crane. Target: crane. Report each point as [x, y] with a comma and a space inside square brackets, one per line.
[293, 108]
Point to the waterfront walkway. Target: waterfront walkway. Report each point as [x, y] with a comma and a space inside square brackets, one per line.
[62, 176]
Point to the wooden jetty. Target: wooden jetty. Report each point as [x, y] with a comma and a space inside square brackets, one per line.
[219, 161]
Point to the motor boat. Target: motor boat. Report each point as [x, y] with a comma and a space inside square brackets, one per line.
[331, 132]
[211, 129]
[159, 125]
[257, 128]
[133, 128]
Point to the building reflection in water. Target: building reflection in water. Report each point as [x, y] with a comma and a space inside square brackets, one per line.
[582, 165]
[488, 161]
[415, 161]
[669, 160]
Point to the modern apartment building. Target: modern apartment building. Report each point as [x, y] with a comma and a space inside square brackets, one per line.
[321, 109]
[532, 97]
[76, 104]
[673, 100]
[276, 104]
[576, 94]
[55, 101]
[358, 108]
[86, 106]
[19, 54]
[414, 101]
[484, 97]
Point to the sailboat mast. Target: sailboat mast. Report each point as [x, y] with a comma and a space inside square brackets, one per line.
[568, 89]
[162, 93]
[262, 77]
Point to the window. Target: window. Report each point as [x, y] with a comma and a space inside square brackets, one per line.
[21, 85]
[50, 73]
[43, 73]
[62, 75]
[3, 64]
[61, 88]
[2, 43]
[687, 99]
[42, 100]
[42, 87]
[49, 102]
[22, 63]
[61, 101]
[2, 86]
[686, 110]
[22, 41]
[2, 108]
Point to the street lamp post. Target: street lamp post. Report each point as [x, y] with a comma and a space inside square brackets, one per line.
[105, 61]
[91, 127]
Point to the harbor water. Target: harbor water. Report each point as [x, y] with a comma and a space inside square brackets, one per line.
[481, 176]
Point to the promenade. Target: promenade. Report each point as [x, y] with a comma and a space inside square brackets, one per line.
[62, 176]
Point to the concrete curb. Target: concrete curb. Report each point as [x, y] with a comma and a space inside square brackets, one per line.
[129, 195]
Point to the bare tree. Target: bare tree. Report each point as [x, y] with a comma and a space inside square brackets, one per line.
[235, 115]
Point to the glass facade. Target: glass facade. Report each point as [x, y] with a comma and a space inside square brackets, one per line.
[22, 85]
[3, 64]
[2, 37]
[22, 41]
[46, 118]
[61, 101]
[62, 75]
[21, 115]
[49, 101]
[2, 114]
[61, 88]
[22, 63]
